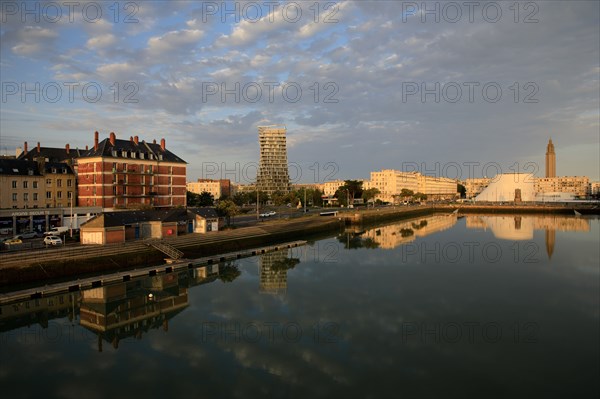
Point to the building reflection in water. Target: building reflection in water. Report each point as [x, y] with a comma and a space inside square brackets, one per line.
[522, 227]
[399, 233]
[273, 268]
[116, 311]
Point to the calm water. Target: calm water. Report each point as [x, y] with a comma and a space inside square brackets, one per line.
[436, 306]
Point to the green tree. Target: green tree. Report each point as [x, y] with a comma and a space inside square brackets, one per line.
[206, 199]
[419, 197]
[370, 194]
[350, 188]
[192, 199]
[227, 209]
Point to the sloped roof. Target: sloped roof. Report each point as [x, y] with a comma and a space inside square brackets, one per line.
[51, 153]
[205, 212]
[105, 149]
[18, 167]
[122, 218]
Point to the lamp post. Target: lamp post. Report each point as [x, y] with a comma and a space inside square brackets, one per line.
[71, 223]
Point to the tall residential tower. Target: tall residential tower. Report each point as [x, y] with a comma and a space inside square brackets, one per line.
[550, 160]
[273, 167]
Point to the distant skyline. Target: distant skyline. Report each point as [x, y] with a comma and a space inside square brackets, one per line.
[362, 68]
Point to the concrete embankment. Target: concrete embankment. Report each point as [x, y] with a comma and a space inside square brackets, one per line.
[81, 261]
[56, 263]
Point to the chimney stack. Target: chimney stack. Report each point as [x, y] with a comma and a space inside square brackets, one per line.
[39, 148]
[162, 144]
[86, 147]
[67, 148]
[136, 140]
[113, 138]
[131, 138]
[154, 141]
[25, 147]
[95, 141]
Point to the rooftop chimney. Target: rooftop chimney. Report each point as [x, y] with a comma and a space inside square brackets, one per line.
[95, 141]
[136, 140]
[67, 148]
[39, 148]
[131, 138]
[154, 141]
[25, 147]
[113, 138]
[86, 147]
[163, 144]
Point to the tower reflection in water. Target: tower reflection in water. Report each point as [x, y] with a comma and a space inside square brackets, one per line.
[273, 268]
[521, 227]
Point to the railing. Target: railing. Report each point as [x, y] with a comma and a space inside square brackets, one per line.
[165, 248]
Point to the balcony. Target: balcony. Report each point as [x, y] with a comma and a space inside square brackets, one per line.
[132, 172]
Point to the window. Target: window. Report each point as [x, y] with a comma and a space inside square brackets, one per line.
[30, 172]
[69, 183]
[25, 183]
[65, 171]
[69, 194]
[25, 197]
[114, 153]
[35, 184]
[59, 183]
[53, 170]
[14, 184]
[14, 197]
[59, 195]
[35, 196]
[49, 182]
[48, 194]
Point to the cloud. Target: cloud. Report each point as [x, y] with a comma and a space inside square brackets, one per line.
[33, 40]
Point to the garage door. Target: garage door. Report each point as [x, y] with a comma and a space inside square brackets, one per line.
[92, 237]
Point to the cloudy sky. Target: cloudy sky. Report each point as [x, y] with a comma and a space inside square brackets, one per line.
[458, 90]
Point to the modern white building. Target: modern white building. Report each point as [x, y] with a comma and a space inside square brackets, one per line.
[509, 187]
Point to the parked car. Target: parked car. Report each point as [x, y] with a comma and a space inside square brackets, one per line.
[29, 234]
[13, 241]
[56, 231]
[52, 240]
[272, 213]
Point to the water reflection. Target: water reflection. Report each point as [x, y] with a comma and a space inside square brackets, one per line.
[393, 235]
[117, 311]
[273, 268]
[520, 227]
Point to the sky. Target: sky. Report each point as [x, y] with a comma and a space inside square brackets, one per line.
[450, 89]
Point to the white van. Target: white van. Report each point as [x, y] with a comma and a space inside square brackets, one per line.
[56, 231]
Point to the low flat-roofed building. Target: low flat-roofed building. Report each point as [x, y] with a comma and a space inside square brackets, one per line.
[576, 185]
[217, 188]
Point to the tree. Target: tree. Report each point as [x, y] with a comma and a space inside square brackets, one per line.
[350, 188]
[192, 199]
[406, 193]
[206, 199]
[462, 190]
[228, 209]
[370, 194]
[419, 197]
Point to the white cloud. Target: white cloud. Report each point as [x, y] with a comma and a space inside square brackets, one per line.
[102, 41]
[174, 41]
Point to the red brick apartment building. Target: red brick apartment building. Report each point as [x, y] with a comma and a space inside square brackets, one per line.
[118, 174]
